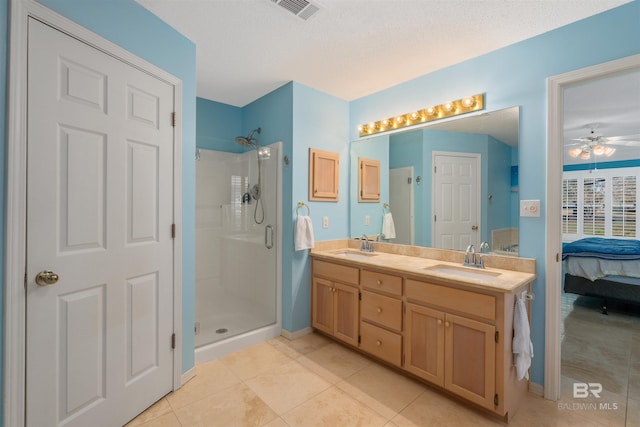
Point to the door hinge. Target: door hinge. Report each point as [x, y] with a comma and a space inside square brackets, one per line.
[173, 119]
[435, 168]
[360, 296]
[496, 401]
[25, 280]
[173, 231]
[173, 341]
[409, 180]
[496, 337]
[557, 257]
[359, 339]
[435, 218]
[402, 359]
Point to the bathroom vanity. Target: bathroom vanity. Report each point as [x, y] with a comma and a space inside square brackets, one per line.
[420, 311]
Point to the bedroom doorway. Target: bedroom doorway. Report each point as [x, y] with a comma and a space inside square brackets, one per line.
[583, 345]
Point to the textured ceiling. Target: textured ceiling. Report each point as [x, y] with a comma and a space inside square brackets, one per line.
[350, 48]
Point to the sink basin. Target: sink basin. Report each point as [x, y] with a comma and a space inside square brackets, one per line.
[474, 273]
[355, 254]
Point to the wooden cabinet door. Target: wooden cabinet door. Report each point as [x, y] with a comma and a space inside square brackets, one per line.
[470, 354]
[322, 306]
[346, 313]
[324, 175]
[424, 343]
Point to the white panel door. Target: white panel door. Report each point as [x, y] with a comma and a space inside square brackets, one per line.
[401, 201]
[99, 215]
[456, 200]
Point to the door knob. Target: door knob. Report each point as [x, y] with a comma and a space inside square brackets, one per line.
[474, 227]
[46, 278]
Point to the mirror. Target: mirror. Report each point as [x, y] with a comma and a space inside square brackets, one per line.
[475, 159]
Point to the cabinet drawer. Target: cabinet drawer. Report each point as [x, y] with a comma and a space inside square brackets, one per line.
[337, 272]
[381, 343]
[381, 309]
[468, 302]
[382, 282]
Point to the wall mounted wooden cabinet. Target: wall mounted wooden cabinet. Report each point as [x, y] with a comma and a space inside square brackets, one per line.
[369, 180]
[324, 175]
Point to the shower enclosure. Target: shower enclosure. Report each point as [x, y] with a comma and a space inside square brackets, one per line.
[237, 248]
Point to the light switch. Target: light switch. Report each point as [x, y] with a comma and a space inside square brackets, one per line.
[367, 220]
[325, 222]
[530, 208]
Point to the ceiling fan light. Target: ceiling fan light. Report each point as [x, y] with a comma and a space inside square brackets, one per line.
[599, 150]
[608, 151]
[575, 152]
[585, 155]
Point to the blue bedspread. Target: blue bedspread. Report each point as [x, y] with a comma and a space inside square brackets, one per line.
[597, 247]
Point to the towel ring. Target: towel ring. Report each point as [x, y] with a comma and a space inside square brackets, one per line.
[303, 205]
[386, 208]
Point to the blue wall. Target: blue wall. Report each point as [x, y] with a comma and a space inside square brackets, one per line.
[217, 125]
[517, 75]
[134, 28]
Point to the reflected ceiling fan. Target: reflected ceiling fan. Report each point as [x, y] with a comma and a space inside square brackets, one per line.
[599, 145]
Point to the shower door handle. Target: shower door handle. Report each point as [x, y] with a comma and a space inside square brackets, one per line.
[268, 237]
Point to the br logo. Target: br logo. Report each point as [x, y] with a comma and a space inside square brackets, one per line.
[583, 390]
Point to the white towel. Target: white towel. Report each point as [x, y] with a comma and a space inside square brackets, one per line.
[388, 227]
[522, 345]
[304, 233]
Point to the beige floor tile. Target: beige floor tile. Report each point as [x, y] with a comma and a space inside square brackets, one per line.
[536, 411]
[334, 362]
[255, 360]
[333, 408]
[158, 409]
[301, 346]
[432, 408]
[633, 412]
[608, 409]
[234, 406]
[167, 420]
[278, 422]
[383, 390]
[287, 386]
[210, 378]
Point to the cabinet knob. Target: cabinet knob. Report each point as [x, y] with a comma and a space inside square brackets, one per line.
[379, 282]
[379, 310]
[447, 324]
[439, 322]
[378, 343]
[333, 289]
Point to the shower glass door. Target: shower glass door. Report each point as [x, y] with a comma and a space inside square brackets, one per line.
[236, 257]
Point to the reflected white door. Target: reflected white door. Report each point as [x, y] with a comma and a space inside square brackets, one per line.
[456, 200]
[100, 203]
[401, 201]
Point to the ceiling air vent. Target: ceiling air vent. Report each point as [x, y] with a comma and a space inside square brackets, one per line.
[301, 8]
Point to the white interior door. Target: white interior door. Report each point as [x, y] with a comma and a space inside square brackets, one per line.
[401, 202]
[456, 200]
[99, 215]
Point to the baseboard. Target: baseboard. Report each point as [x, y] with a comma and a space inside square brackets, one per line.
[536, 389]
[297, 334]
[189, 375]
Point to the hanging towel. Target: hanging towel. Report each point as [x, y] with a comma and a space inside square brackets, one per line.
[388, 228]
[522, 345]
[304, 233]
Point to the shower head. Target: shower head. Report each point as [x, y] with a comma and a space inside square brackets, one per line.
[249, 141]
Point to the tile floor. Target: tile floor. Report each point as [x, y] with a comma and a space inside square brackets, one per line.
[313, 381]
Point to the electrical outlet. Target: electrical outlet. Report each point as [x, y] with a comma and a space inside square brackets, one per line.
[530, 208]
[367, 220]
[325, 222]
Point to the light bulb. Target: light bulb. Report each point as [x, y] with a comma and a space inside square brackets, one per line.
[468, 101]
[448, 107]
[598, 150]
[400, 119]
[360, 128]
[385, 122]
[414, 116]
[575, 152]
[430, 111]
[372, 125]
[585, 155]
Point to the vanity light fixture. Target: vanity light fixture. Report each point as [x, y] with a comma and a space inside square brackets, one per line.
[428, 114]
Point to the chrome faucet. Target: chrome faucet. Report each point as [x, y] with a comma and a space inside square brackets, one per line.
[476, 260]
[365, 244]
[470, 250]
